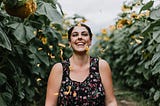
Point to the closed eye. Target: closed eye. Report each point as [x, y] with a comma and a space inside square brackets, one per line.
[85, 34]
[74, 34]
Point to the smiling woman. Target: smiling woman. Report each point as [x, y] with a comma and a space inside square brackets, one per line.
[80, 80]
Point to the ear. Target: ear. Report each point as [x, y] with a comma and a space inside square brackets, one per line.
[69, 44]
[90, 42]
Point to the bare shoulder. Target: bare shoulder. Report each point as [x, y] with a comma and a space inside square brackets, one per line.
[56, 71]
[57, 68]
[103, 65]
[106, 77]
[104, 69]
[54, 83]
[55, 76]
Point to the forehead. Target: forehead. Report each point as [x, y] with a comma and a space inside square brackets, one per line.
[79, 29]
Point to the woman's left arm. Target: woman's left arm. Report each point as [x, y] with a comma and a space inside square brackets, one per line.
[106, 77]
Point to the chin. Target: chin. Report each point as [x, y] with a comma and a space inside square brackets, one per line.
[80, 51]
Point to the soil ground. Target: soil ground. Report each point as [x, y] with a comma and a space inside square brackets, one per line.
[130, 98]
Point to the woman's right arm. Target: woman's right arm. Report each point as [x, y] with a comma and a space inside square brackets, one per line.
[53, 86]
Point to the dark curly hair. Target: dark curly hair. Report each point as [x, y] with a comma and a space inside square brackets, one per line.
[71, 29]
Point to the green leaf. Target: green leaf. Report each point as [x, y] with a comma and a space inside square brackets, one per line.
[21, 2]
[147, 6]
[21, 94]
[15, 3]
[43, 57]
[7, 97]
[49, 11]
[155, 14]
[30, 91]
[150, 27]
[150, 48]
[146, 75]
[38, 56]
[2, 102]
[156, 69]
[156, 34]
[34, 60]
[13, 25]
[10, 3]
[155, 58]
[158, 48]
[4, 40]
[157, 95]
[158, 39]
[52, 34]
[24, 33]
[147, 64]
[29, 33]
[133, 29]
[137, 83]
[3, 78]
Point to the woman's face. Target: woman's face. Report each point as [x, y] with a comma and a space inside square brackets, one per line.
[80, 39]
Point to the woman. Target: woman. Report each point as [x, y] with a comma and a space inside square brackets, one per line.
[81, 80]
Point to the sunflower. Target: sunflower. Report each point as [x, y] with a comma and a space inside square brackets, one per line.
[21, 8]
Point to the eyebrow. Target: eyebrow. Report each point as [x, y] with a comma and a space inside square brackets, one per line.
[81, 32]
[84, 31]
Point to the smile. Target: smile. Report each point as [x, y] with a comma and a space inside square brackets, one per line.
[80, 44]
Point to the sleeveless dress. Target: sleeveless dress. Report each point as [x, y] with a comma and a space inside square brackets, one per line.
[90, 92]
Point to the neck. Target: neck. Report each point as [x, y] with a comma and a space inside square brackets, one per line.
[80, 59]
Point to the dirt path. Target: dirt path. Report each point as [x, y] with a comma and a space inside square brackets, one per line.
[126, 103]
[130, 98]
[126, 98]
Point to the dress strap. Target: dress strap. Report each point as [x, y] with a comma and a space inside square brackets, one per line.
[94, 64]
[65, 65]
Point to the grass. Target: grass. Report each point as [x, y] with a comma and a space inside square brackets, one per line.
[126, 97]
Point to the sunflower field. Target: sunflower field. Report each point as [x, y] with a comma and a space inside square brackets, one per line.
[132, 48]
[33, 37]
[30, 43]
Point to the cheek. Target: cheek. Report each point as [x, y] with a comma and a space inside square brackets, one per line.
[88, 40]
[72, 39]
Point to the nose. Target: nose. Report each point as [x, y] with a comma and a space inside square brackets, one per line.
[79, 36]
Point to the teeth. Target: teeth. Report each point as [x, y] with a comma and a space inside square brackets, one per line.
[80, 43]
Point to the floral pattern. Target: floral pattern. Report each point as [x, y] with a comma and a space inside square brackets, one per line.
[90, 92]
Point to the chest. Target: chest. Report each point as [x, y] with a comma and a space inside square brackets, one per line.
[79, 74]
[82, 88]
[89, 92]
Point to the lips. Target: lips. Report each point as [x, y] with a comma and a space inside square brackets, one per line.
[80, 44]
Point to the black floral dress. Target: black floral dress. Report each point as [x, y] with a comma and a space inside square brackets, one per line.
[90, 92]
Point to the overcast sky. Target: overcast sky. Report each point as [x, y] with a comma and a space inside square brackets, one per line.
[99, 13]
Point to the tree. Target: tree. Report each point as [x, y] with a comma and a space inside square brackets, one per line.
[29, 47]
[133, 48]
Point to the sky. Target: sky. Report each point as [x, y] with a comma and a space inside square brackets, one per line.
[99, 13]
